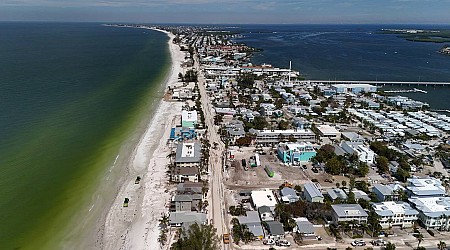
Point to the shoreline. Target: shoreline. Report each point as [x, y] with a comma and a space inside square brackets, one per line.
[137, 226]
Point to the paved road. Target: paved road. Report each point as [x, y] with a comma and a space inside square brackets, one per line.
[216, 198]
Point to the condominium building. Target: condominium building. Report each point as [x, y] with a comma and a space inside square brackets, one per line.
[424, 187]
[188, 154]
[295, 153]
[434, 212]
[364, 153]
[271, 137]
[395, 213]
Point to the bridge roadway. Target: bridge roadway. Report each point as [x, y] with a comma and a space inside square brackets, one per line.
[379, 82]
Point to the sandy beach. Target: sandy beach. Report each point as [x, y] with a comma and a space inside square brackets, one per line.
[137, 227]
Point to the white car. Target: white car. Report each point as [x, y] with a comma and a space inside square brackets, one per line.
[269, 242]
[283, 243]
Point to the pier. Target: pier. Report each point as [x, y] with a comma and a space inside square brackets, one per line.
[379, 83]
[406, 91]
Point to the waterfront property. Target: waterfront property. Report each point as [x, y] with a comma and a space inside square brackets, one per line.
[185, 202]
[188, 154]
[182, 174]
[353, 88]
[188, 118]
[312, 193]
[295, 153]
[395, 213]
[348, 212]
[434, 212]
[186, 218]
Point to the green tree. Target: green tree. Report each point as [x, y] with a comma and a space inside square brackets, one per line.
[419, 237]
[197, 237]
[389, 246]
[382, 164]
[441, 245]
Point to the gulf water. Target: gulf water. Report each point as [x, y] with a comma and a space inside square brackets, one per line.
[71, 95]
[353, 52]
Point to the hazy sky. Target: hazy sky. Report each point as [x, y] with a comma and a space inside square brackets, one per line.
[229, 11]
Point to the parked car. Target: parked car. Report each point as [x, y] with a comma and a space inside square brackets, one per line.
[359, 243]
[283, 243]
[269, 242]
[226, 238]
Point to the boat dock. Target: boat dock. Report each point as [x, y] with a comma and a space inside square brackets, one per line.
[406, 91]
[383, 83]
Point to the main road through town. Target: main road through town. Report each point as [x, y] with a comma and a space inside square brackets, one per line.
[216, 199]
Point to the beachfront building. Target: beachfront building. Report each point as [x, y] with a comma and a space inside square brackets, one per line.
[185, 202]
[424, 187]
[348, 212]
[272, 137]
[188, 118]
[186, 218]
[434, 212]
[365, 154]
[353, 88]
[188, 154]
[182, 174]
[395, 213]
[312, 193]
[295, 153]
[329, 132]
[182, 133]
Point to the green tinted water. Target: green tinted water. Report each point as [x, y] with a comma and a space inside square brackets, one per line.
[70, 96]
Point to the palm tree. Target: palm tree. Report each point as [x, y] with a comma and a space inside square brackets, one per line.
[164, 221]
[441, 245]
[419, 237]
[389, 246]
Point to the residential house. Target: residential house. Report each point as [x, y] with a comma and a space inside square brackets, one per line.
[253, 223]
[337, 193]
[275, 229]
[329, 132]
[288, 195]
[312, 193]
[185, 202]
[388, 192]
[181, 174]
[348, 212]
[365, 154]
[265, 213]
[305, 228]
[178, 219]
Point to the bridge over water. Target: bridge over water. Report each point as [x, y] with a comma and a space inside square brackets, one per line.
[379, 83]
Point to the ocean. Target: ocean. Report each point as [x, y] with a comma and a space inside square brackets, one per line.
[73, 97]
[352, 52]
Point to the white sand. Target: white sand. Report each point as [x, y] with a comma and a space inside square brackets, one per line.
[137, 227]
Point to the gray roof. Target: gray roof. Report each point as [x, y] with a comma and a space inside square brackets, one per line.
[190, 187]
[286, 191]
[335, 193]
[338, 150]
[187, 197]
[183, 217]
[305, 227]
[195, 158]
[264, 209]
[383, 189]
[312, 190]
[185, 171]
[349, 210]
[252, 217]
[275, 228]
[255, 228]
[352, 136]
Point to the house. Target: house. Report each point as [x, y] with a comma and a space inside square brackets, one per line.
[348, 212]
[178, 219]
[188, 154]
[295, 153]
[352, 137]
[434, 212]
[275, 229]
[364, 153]
[329, 132]
[388, 192]
[253, 223]
[190, 188]
[188, 118]
[337, 193]
[288, 195]
[180, 174]
[424, 187]
[359, 194]
[304, 227]
[263, 198]
[312, 193]
[185, 202]
[265, 213]
[235, 130]
[395, 213]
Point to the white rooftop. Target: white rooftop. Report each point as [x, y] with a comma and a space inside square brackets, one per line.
[189, 116]
[263, 198]
[327, 129]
